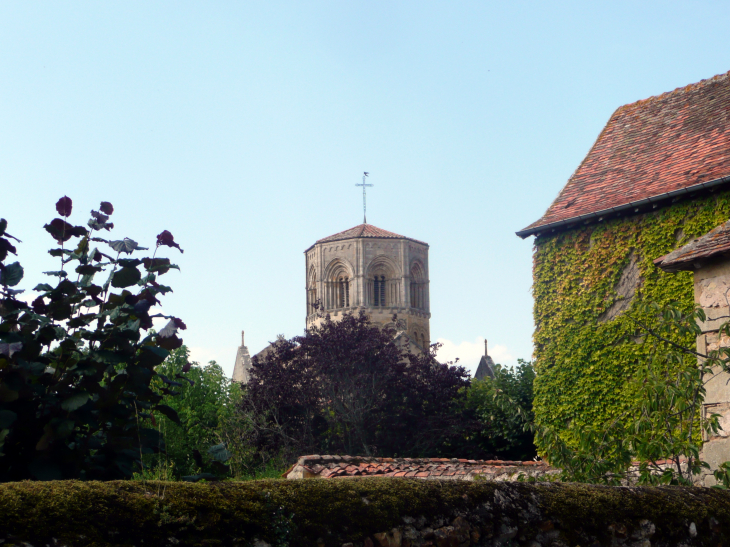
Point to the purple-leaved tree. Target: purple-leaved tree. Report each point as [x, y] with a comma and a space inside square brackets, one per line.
[346, 387]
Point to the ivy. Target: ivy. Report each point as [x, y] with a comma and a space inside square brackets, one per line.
[584, 364]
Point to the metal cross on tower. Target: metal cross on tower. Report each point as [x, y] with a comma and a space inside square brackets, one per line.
[364, 208]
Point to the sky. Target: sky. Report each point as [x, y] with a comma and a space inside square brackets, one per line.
[243, 127]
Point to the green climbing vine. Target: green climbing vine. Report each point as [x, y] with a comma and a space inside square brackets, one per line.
[584, 360]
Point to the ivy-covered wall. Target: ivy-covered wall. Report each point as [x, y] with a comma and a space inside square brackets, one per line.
[583, 359]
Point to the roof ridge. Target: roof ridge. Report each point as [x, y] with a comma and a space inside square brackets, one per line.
[676, 91]
[663, 146]
[345, 460]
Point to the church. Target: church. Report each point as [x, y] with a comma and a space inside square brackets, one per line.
[375, 271]
[365, 269]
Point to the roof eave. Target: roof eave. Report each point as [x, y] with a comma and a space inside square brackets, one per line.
[655, 200]
[674, 267]
[694, 262]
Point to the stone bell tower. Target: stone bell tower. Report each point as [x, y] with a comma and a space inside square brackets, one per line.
[368, 268]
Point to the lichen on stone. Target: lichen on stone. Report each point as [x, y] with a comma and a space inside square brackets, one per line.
[369, 511]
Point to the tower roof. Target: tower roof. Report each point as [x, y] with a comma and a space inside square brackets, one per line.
[661, 147]
[364, 231]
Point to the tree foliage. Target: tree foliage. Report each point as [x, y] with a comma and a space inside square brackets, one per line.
[346, 387]
[76, 365]
[501, 428]
[203, 404]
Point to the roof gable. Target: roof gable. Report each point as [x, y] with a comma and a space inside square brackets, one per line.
[660, 145]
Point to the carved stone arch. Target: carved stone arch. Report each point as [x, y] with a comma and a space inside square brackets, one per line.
[384, 265]
[312, 277]
[418, 272]
[337, 281]
[419, 338]
[311, 290]
[383, 288]
[337, 267]
[418, 285]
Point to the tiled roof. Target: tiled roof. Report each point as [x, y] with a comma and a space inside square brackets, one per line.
[670, 143]
[365, 230]
[328, 467]
[713, 243]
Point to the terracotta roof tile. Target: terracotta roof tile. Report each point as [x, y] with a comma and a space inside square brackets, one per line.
[364, 231]
[422, 468]
[713, 243]
[671, 142]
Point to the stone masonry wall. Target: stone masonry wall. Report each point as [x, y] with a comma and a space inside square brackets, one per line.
[360, 512]
[357, 256]
[712, 291]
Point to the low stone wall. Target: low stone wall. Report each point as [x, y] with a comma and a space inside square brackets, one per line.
[360, 512]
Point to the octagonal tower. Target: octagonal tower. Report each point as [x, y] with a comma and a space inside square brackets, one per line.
[368, 268]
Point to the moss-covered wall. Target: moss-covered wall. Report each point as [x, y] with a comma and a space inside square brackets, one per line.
[582, 360]
[380, 512]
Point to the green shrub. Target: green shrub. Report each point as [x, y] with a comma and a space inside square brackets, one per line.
[76, 365]
[204, 403]
[501, 430]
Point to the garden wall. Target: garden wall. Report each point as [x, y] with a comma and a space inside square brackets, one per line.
[392, 512]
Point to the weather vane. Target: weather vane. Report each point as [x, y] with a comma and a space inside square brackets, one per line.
[364, 208]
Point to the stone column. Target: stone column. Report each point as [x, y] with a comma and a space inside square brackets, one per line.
[360, 273]
[405, 274]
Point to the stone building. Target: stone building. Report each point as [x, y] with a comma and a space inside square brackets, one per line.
[708, 257]
[657, 177]
[368, 268]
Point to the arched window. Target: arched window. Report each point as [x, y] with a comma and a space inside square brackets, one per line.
[379, 291]
[337, 285]
[311, 292]
[418, 287]
[383, 283]
[343, 292]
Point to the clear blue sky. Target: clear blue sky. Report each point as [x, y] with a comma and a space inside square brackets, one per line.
[243, 127]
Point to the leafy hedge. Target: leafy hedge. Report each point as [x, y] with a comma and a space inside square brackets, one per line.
[583, 363]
